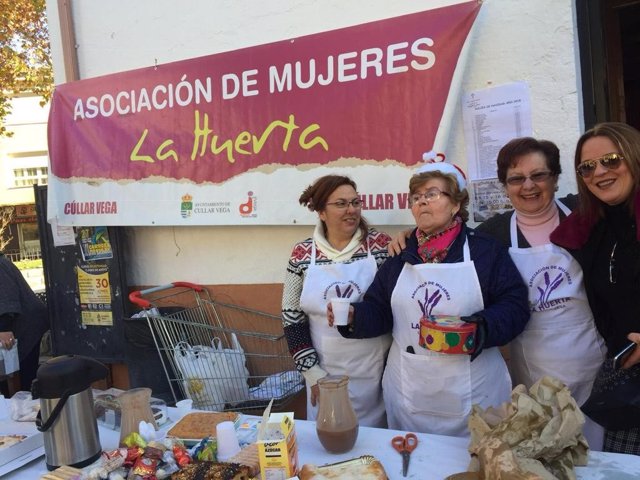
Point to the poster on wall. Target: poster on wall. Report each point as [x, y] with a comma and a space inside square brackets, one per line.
[491, 118]
[233, 138]
[489, 199]
[94, 243]
[95, 294]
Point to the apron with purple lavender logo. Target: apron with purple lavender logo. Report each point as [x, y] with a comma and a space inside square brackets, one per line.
[361, 359]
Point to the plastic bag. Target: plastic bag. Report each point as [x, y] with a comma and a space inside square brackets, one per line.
[278, 386]
[9, 362]
[196, 365]
[23, 407]
[247, 431]
[214, 376]
[230, 368]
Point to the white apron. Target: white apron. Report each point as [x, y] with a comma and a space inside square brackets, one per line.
[361, 359]
[560, 338]
[433, 392]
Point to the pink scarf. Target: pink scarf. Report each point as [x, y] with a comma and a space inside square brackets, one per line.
[432, 248]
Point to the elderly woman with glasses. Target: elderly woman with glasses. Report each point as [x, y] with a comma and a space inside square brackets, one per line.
[604, 236]
[340, 260]
[446, 270]
[560, 339]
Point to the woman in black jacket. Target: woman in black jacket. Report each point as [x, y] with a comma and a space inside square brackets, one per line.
[604, 236]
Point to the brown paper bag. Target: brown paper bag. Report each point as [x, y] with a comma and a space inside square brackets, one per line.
[536, 436]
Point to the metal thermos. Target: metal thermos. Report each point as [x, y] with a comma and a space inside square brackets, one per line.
[66, 417]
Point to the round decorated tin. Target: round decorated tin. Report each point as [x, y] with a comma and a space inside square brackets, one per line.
[447, 334]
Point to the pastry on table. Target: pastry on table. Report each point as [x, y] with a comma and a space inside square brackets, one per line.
[248, 457]
[212, 471]
[7, 441]
[349, 470]
[198, 425]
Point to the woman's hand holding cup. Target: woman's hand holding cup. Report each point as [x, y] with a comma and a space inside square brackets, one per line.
[339, 312]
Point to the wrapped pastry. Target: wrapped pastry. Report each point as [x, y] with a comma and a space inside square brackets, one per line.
[249, 457]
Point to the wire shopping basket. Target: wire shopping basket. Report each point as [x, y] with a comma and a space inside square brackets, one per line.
[222, 356]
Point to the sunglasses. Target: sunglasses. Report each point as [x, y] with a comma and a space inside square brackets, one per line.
[610, 161]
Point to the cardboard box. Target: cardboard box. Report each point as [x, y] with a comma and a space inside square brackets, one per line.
[278, 448]
[31, 442]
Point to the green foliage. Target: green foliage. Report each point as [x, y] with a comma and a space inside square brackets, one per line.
[25, 56]
[26, 264]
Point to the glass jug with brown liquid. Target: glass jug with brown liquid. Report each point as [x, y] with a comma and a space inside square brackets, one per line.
[135, 407]
[337, 424]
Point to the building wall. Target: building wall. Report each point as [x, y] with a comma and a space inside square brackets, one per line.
[513, 40]
[26, 150]
[27, 147]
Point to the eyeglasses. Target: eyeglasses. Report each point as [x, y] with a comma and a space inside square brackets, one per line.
[538, 177]
[431, 195]
[343, 204]
[610, 161]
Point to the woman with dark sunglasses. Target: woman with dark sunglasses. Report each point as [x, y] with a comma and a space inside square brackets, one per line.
[560, 339]
[604, 236]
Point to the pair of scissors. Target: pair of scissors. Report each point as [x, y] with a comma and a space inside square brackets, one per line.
[404, 446]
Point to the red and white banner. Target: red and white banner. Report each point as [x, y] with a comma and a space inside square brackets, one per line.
[233, 138]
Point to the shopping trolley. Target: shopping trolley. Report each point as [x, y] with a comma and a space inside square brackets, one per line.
[222, 356]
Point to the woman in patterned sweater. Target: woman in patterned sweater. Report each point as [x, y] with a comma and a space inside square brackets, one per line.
[340, 260]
